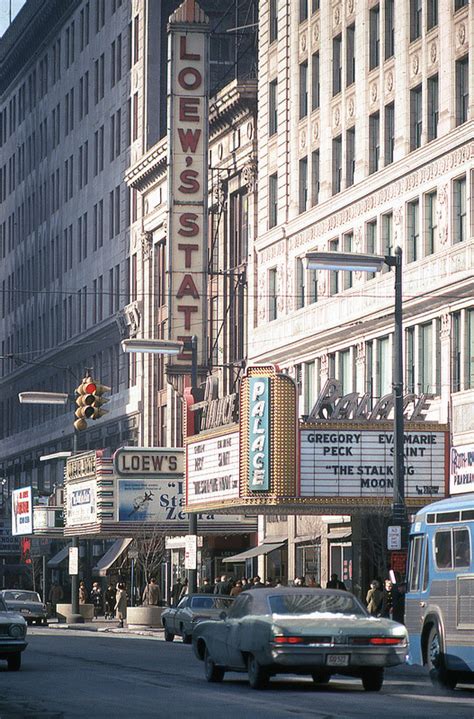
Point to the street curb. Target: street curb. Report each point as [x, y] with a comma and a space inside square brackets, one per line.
[157, 633]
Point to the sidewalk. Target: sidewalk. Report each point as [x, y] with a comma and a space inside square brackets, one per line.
[108, 626]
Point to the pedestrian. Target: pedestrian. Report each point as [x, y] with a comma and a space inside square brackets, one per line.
[55, 595]
[97, 599]
[398, 611]
[335, 583]
[269, 582]
[82, 593]
[151, 593]
[387, 600]
[222, 586]
[206, 587]
[374, 598]
[184, 589]
[257, 583]
[120, 607]
[237, 589]
[176, 590]
[299, 582]
[110, 593]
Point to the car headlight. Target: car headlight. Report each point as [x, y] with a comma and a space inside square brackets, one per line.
[17, 631]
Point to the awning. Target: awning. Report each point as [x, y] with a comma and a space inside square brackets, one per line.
[58, 558]
[264, 548]
[111, 556]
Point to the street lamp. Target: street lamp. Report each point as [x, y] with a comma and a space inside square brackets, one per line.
[55, 398]
[349, 261]
[168, 347]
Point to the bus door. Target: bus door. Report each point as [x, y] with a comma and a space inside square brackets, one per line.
[417, 597]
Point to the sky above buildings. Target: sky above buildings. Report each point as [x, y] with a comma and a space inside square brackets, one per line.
[8, 9]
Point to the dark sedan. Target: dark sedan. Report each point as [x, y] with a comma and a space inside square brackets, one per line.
[12, 637]
[319, 632]
[26, 603]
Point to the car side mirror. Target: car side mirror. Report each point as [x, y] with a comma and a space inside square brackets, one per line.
[223, 615]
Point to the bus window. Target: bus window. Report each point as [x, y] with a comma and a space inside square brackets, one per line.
[426, 569]
[462, 550]
[415, 563]
[443, 552]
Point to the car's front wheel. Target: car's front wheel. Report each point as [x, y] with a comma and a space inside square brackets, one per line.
[169, 636]
[439, 675]
[14, 662]
[372, 679]
[258, 675]
[212, 672]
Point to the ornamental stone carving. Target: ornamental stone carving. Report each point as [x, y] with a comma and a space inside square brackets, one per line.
[415, 64]
[350, 7]
[433, 52]
[442, 214]
[358, 240]
[302, 139]
[360, 357]
[324, 364]
[337, 15]
[337, 116]
[146, 239]
[445, 331]
[389, 81]
[303, 42]
[315, 131]
[250, 130]
[373, 91]
[461, 34]
[316, 32]
[249, 174]
[351, 107]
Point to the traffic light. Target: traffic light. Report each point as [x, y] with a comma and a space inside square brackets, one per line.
[89, 401]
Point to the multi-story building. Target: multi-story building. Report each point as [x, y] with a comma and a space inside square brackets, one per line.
[365, 143]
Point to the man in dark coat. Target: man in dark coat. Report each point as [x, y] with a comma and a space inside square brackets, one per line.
[176, 590]
[222, 587]
[206, 587]
[335, 583]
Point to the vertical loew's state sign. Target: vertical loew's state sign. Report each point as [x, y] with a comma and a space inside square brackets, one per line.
[188, 117]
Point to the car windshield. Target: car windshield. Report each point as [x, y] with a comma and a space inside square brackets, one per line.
[19, 596]
[211, 602]
[315, 603]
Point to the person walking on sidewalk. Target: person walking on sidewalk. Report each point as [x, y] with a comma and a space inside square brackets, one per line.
[110, 593]
[97, 599]
[151, 593]
[82, 593]
[121, 603]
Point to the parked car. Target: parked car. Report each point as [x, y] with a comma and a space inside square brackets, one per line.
[12, 636]
[26, 603]
[192, 609]
[319, 632]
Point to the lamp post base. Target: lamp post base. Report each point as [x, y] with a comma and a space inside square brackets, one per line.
[74, 619]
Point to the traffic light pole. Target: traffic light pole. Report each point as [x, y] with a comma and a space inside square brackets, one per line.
[75, 617]
[192, 521]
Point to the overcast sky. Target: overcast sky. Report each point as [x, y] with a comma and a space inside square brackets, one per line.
[5, 12]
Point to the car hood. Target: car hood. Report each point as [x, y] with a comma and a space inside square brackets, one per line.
[334, 624]
[11, 616]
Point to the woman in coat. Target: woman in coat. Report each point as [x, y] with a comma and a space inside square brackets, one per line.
[121, 603]
[374, 598]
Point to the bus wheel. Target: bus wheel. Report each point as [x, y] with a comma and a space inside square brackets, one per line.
[439, 675]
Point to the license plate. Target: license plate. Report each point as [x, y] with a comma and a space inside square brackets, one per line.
[337, 660]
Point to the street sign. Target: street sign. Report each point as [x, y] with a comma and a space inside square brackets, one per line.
[190, 552]
[73, 560]
[394, 538]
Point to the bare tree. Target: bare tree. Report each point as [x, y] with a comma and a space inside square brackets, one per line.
[149, 544]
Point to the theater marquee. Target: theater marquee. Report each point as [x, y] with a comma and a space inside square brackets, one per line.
[188, 73]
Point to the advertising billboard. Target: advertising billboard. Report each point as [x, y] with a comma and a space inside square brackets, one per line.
[461, 469]
[356, 462]
[81, 503]
[22, 511]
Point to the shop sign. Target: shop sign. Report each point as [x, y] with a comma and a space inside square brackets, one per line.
[461, 471]
[81, 503]
[333, 405]
[22, 511]
[259, 434]
[187, 177]
[359, 463]
[73, 560]
[8, 543]
[48, 517]
[190, 552]
[82, 466]
[148, 461]
[212, 469]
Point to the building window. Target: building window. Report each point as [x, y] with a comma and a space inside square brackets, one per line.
[456, 352]
[459, 210]
[303, 10]
[371, 242]
[272, 294]
[273, 200]
[333, 275]
[462, 90]
[416, 118]
[135, 117]
[313, 286]
[415, 19]
[387, 236]
[383, 374]
[425, 379]
[345, 374]
[303, 89]
[300, 286]
[470, 349]
[389, 140]
[410, 359]
[431, 223]
[374, 37]
[431, 14]
[309, 391]
[350, 156]
[273, 20]
[314, 177]
[389, 44]
[413, 231]
[433, 107]
[336, 64]
[337, 165]
[350, 55]
[136, 38]
[315, 81]
[303, 185]
[458, 4]
[272, 110]
[374, 142]
[348, 246]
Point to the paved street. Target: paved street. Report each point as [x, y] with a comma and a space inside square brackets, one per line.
[68, 674]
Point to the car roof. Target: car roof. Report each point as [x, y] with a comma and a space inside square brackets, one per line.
[259, 596]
